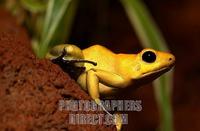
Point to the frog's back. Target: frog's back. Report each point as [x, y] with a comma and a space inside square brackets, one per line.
[104, 57]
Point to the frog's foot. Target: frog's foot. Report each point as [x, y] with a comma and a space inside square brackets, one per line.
[118, 121]
[117, 117]
[60, 58]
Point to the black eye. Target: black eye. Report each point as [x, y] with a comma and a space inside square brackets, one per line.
[149, 56]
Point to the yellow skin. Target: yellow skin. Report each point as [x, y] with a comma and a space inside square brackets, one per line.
[114, 72]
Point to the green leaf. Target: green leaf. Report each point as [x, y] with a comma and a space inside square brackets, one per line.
[56, 10]
[145, 27]
[150, 36]
[64, 28]
[34, 6]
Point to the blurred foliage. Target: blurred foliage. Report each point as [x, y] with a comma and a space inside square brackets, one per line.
[34, 6]
[57, 24]
[150, 37]
[49, 23]
[28, 12]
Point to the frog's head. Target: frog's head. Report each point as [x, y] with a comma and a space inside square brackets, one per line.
[146, 65]
[151, 63]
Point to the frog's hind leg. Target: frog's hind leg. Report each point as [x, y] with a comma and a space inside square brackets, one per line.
[69, 58]
[71, 51]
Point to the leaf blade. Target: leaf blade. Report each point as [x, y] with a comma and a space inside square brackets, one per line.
[150, 36]
[55, 12]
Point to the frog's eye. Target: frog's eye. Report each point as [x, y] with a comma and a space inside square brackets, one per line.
[149, 56]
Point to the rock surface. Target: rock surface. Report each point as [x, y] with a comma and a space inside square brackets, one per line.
[31, 88]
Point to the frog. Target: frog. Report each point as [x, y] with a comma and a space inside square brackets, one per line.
[103, 73]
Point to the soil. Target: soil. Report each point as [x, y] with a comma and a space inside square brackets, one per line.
[31, 88]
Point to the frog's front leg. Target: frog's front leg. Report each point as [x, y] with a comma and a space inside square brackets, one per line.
[91, 80]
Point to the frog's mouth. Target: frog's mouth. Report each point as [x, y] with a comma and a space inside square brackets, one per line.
[159, 71]
[150, 76]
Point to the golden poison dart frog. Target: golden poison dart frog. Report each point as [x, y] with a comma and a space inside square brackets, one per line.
[101, 72]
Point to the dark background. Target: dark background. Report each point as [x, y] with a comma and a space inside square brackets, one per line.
[105, 22]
